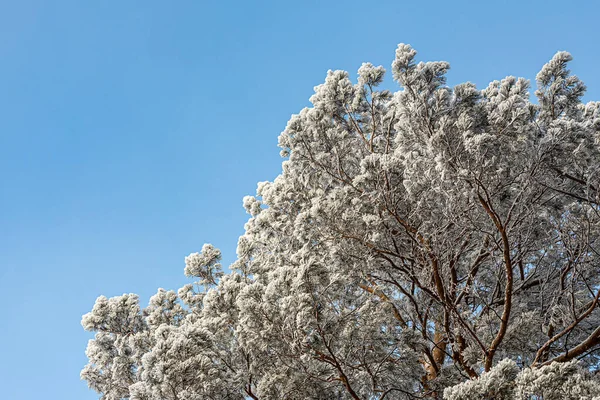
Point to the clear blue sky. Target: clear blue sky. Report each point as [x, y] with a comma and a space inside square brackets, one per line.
[130, 131]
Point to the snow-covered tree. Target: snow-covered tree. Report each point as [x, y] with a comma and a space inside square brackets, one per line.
[436, 241]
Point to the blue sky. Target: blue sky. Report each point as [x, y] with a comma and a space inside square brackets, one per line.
[130, 131]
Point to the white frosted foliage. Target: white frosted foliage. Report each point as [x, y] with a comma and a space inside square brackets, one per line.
[432, 242]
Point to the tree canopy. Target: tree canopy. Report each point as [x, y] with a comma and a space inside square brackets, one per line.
[433, 242]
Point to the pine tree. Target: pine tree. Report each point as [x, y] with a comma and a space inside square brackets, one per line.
[430, 242]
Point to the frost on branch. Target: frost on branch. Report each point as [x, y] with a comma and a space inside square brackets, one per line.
[118, 346]
[557, 381]
[204, 265]
[417, 243]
